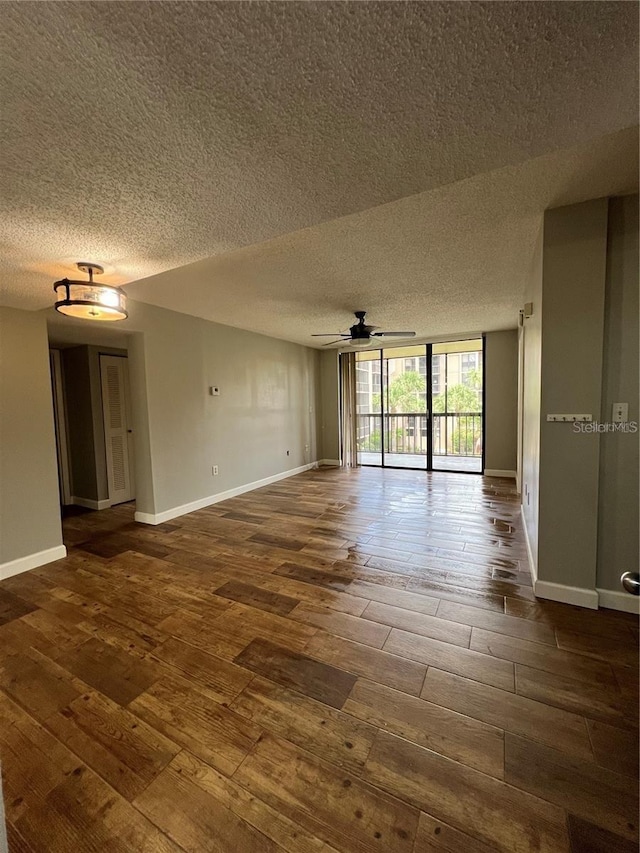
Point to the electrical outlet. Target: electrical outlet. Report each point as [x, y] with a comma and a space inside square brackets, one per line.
[214, 470]
[620, 413]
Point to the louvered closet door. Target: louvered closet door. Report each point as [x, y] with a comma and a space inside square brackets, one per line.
[114, 401]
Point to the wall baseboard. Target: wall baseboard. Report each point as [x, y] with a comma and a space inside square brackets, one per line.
[499, 472]
[333, 463]
[88, 503]
[176, 511]
[591, 598]
[32, 561]
[617, 600]
[567, 594]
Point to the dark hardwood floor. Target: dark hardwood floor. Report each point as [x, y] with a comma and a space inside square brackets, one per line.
[342, 661]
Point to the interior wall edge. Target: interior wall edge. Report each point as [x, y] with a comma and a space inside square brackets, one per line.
[533, 567]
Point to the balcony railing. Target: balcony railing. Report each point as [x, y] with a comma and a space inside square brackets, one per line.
[454, 434]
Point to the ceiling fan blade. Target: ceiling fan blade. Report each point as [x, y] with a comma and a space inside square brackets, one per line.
[330, 335]
[328, 343]
[393, 334]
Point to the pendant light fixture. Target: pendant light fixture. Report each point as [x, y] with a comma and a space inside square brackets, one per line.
[90, 301]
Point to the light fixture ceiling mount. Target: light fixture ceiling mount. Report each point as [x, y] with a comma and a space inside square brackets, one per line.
[88, 300]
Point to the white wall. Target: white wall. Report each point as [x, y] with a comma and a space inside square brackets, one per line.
[30, 530]
[267, 406]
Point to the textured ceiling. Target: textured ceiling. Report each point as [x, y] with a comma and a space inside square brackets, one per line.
[450, 260]
[148, 135]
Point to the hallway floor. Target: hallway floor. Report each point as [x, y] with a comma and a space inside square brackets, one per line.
[343, 661]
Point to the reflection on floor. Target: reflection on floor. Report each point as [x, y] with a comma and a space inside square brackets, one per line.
[471, 464]
[347, 661]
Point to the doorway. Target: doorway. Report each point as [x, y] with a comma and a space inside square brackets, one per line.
[93, 427]
[421, 406]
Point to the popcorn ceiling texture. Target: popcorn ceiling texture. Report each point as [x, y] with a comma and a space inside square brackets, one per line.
[452, 260]
[145, 136]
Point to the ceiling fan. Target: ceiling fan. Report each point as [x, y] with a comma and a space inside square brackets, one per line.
[360, 334]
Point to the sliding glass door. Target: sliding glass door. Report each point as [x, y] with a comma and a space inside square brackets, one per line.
[406, 420]
[456, 402]
[420, 406]
[369, 407]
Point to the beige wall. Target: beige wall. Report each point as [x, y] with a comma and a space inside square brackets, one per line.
[580, 489]
[330, 406]
[501, 400]
[573, 275]
[267, 406]
[618, 499]
[29, 496]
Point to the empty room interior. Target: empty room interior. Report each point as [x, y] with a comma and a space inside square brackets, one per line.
[319, 417]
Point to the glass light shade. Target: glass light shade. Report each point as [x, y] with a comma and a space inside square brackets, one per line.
[361, 342]
[90, 301]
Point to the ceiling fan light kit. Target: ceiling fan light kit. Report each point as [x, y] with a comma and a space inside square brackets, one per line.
[361, 334]
[90, 301]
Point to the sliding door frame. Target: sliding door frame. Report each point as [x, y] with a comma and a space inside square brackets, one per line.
[482, 415]
[430, 418]
[484, 400]
[384, 409]
[384, 391]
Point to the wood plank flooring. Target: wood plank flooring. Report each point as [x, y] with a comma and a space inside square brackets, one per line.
[343, 662]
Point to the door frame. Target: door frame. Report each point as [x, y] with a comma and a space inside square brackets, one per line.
[60, 425]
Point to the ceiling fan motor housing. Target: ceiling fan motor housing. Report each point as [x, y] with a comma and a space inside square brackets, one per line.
[360, 331]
